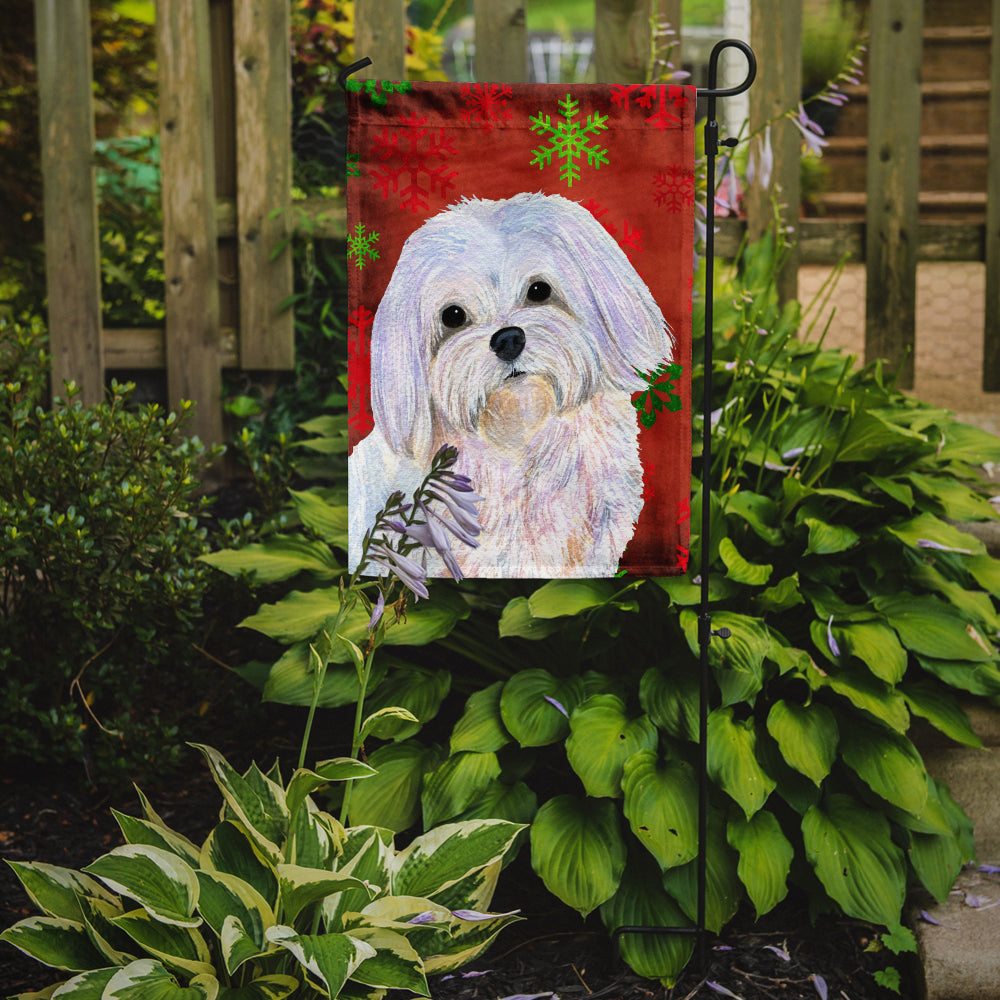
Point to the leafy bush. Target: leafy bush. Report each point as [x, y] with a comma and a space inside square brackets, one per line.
[854, 603]
[279, 899]
[99, 539]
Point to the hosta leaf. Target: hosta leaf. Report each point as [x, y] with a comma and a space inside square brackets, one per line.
[54, 941]
[386, 723]
[558, 598]
[975, 605]
[530, 706]
[765, 858]
[180, 948]
[56, 891]
[301, 887]
[641, 901]
[956, 500]
[828, 539]
[758, 511]
[465, 941]
[274, 987]
[441, 857]
[366, 855]
[893, 488]
[330, 959]
[870, 435]
[888, 763]
[732, 760]
[391, 798]
[661, 798]
[941, 709]
[928, 528]
[327, 520]
[601, 739]
[738, 661]
[807, 736]
[671, 700]
[280, 557]
[481, 728]
[395, 964]
[986, 571]
[141, 831]
[739, 569]
[850, 848]
[783, 595]
[230, 849]
[517, 620]
[516, 803]
[159, 881]
[578, 851]
[291, 680]
[876, 646]
[304, 782]
[723, 889]
[147, 979]
[225, 897]
[456, 784]
[98, 916]
[866, 692]
[418, 690]
[965, 443]
[931, 628]
[937, 860]
[976, 678]
[87, 986]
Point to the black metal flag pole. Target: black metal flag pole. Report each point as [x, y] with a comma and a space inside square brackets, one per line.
[705, 631]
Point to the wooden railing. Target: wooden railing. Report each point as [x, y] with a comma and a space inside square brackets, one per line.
[226, 160]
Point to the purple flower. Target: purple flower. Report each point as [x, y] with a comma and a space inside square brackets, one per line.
[834, 648]
[377, 611]
[460, 501]
[811, 132]
[820, 983]
[719, 988]
[475, 915]
[558, 705]
[927, 543]
[411, 573]
[761, 163]
[427, 917]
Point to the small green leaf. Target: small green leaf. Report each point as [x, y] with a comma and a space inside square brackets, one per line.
[732, 760]
[391, 798]
[671, 699]
[517, 620]
[765, 858]
[481, 727]
[559, 598]
[535, 706]
[828, 539]
[807, 736]
[932, 628]
[738, 569]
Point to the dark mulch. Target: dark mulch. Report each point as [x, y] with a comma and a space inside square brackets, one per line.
[551, 951]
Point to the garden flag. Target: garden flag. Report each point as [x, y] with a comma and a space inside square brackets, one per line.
[520, 277]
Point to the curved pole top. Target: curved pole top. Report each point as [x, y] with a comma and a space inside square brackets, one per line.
[712, 90]
[348, 70]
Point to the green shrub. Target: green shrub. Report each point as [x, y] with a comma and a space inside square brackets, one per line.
[99, 540]
[279, 900]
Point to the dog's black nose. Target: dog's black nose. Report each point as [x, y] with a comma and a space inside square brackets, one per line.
[507, 343]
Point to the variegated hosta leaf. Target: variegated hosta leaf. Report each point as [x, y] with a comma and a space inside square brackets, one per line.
[230, 849]
[225, 897]
[158, 880]
[850, 847]
[56, 891]
[116, 946]
[141, 831]
[54, 941]
[274, 987]
[475, 891]
[578, 851]
[602, 737]
[300, 887]
[481, 727]
[315, 838]
[765, 858]
[732, 760]
[395, 964]
[642, 902]
[535, 706]
[456, 784]
[177, 947]
[86, 986]
[661, 799]
[466, 941]
[367, 853]
[441, 857]
[807, 736]
[329, 959]
[723, 889]
[256, 801]
[149, 980]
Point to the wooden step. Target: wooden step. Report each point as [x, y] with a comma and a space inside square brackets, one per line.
[947, 162]
[944, 104]
[956, 53]
[958, 206]
[940, 13]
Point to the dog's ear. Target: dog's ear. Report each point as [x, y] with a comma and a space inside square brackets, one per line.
[638, 337]
[401, 400]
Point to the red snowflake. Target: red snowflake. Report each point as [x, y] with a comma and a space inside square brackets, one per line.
[649, 94]
[408, 153]
[648, 476]
[486, 103]
[631, 238]
[683, 510]
[673, 188]
[683, 555]
[359, 374]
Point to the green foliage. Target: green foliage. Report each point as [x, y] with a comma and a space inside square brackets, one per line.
[99, 539]
[279, 899]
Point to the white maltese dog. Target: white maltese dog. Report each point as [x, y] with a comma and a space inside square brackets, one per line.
[514, 330]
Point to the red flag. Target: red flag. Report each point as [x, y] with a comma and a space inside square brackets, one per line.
[520, 273]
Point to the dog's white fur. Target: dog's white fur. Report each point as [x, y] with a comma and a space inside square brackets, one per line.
[554, 450]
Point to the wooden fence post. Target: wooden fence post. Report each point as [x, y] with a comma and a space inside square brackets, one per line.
[892, 239]
[190, 251]
[621, 40]
[380, 34]
[991, 333]
[262, 61]
[501, 41]
[776, 35]
[72, 255]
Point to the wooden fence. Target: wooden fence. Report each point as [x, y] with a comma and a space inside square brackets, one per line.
[226, 160]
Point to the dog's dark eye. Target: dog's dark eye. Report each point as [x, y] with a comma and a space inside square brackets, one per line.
[539, 291]
[453, 317]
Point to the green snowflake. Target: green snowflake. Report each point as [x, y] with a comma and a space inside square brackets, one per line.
[658, 396]
[569, 140]
[353, 165]
[361, 245]
[379, 91]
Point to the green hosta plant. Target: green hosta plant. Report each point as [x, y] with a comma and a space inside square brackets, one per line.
[279, 900]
